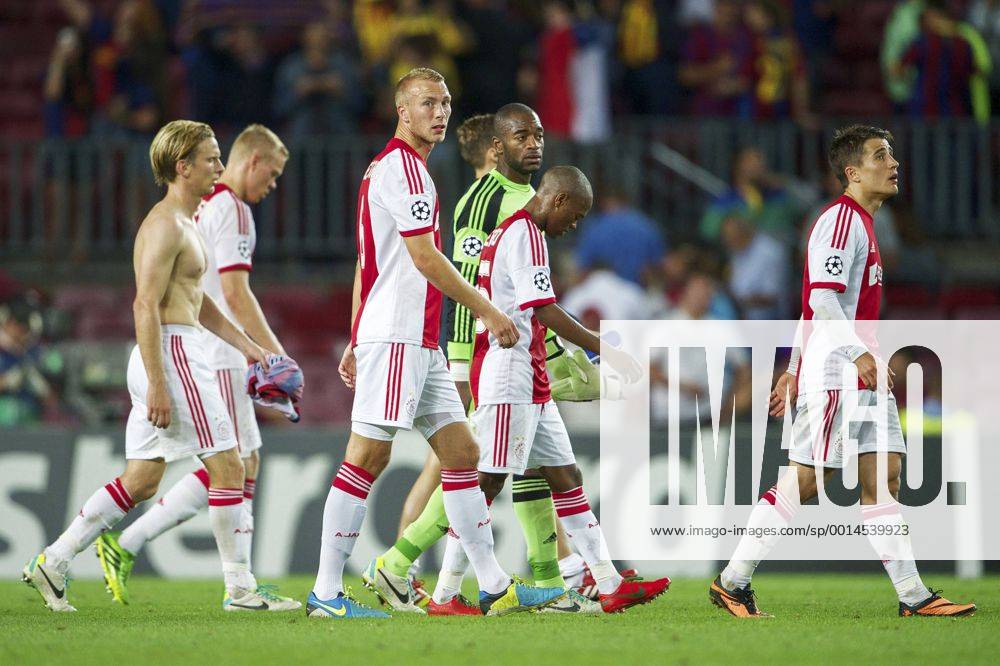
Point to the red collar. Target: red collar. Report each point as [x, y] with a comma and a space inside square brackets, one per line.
[396, 142]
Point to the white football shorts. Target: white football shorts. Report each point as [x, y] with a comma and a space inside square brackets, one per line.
[239, 405]
[399, 383]
[199, 421]
[831, 426]
[513, 438]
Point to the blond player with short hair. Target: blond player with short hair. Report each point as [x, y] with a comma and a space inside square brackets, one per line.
[177, 410]
[396, 367]
[225, 222]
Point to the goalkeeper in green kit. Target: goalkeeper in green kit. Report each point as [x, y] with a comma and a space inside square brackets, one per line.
[518, 143]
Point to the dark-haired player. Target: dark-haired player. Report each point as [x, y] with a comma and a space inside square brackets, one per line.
[842, 282]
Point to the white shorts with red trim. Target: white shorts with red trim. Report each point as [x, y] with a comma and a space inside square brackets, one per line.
[832, 426]
[199, 421]
[397, 383]
[513, 438]
[239, 405]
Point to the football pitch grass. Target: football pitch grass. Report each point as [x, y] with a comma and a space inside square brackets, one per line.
[819, 619]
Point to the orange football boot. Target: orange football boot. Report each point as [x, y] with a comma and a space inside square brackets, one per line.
[738, 603]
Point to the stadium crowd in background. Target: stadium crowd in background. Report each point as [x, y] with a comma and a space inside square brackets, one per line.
[327, 67]
[315, 66]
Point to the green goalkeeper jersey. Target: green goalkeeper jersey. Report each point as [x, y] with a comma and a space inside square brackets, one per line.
[491, 200]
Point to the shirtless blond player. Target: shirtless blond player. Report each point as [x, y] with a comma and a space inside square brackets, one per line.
[177, 410]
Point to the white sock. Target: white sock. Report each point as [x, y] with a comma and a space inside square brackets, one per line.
[187, 497]
[246, 537]
[342, 517]
[572, 569]
[225, 512]
[100, 512]
[774, 511]
[453, 566]
[583, 529]
[894, 549]
[465, 506]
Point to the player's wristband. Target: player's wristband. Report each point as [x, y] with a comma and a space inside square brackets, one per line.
[854, 352]
[459, 371]
[459, 352]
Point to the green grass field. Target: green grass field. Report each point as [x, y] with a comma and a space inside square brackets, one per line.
[819, 619]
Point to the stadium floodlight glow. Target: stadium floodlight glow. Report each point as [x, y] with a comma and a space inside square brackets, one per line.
[678, 479]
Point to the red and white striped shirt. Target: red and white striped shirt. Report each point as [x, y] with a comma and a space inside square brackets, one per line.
[227, 227]
[514, 274]
[397, 198]
[843, 255]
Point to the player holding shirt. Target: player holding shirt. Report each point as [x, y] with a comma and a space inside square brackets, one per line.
[399, 373]
[842, 282]
[177, 410]
[227, 227]
[516, 421]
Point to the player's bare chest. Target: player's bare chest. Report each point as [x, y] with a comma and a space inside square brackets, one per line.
[192, 260]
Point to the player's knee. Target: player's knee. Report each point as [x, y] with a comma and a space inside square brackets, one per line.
[894, 487]
[491, 485]
[140, 488]
[225, 470]
[372, 459]
[251, 464]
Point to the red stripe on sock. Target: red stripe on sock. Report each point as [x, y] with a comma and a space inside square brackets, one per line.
[353, 480]
[570, 502]
[249, 488]
[225, 496]
[116, 496]
[202, 475]
[459, 479]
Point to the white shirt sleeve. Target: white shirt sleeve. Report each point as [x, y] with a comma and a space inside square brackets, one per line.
[528, 261]
[230, 238]
[833, 246]
[405, 190]
[825, 305]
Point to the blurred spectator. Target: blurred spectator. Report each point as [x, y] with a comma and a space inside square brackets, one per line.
[901, 30]
[373, 23]
[984, 16]
[69, 96]
[762, 197]
[679, 265]
[317, 89]
[692, 12]
[340, 22]
[249, 78]
[490, 65]
[758, 270]
[25, 394]
[231, 77]
[649, 41]
[692, 372]
[427, 36]
[718, 64]
[622, 238]
[814, 22]
[590, 75]
[952, 64]
[780, 88]
[128, 67]
[603, 295]
[556, 49]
